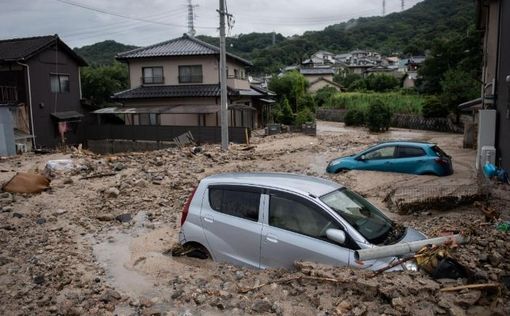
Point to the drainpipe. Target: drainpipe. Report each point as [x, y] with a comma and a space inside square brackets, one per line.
[30, 102]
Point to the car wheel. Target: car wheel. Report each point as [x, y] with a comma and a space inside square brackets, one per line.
[194, 250]
[341, 170]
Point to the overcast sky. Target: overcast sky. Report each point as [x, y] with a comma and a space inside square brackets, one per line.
[144, 22]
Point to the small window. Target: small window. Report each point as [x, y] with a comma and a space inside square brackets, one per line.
[152, 75]
[190, 74]
[408, 152]
[381, 153]
[298, 215]
[59, 83]
[148, 119]
[243, 204]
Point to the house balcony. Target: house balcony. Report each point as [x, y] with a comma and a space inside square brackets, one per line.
[8, 94]
[238, 83]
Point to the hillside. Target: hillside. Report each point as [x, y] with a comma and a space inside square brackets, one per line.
[102, 53]
[409, 32]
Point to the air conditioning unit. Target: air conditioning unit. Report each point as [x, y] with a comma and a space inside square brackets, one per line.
[486, 132]
[21, 148]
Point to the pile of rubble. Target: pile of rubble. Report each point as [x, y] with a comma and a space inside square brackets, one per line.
[47, 263]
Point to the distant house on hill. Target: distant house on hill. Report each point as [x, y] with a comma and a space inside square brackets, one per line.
[319, 78]
[40, 82]
[176, 84]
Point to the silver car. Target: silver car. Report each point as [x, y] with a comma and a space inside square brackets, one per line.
[265, 220]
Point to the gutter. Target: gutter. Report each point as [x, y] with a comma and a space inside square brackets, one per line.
[30, 102]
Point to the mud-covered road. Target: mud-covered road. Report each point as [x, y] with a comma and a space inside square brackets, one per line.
[100, 246]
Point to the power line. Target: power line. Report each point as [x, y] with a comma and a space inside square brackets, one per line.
[125, 16]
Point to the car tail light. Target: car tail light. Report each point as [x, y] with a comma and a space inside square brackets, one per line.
[185, 209]
[442, 161]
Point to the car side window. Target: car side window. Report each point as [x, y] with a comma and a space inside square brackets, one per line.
[409, 151]
[298, 215]
[381, 153]
[235, 202]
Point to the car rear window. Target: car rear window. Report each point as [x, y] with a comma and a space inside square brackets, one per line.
[439, 151]
[235, 201]
[410, 151]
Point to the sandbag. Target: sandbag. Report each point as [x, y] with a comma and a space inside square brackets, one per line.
[24, 182]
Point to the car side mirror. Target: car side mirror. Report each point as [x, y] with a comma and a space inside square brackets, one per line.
[336, 235]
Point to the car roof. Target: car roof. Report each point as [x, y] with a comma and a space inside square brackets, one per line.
[286, 181]
[407, 142]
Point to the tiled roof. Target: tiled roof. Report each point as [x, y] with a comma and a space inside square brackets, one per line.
[182, 46]
[178, 91]
[317, 71]
[147, 92]
[20, 49]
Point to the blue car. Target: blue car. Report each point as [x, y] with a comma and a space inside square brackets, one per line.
[397, 156]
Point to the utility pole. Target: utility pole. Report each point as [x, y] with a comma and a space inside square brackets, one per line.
[223, 79]
[383, 7]
[402, 5]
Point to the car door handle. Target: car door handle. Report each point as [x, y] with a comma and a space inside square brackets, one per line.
[272, 239]
[208, 219]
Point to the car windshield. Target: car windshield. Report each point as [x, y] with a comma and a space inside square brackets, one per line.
[362, 215]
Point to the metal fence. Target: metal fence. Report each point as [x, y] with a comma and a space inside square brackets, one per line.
[201, 134]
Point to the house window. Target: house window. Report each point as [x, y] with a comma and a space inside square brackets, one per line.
[152, 75]
[148, 119]
[190, 74]
[59, 83]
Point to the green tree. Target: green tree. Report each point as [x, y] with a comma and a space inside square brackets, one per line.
[323, 95]
[290, 86]
[458, 86]
[378, 117]
[99, 83]
[285, 115]
[304, 116]
[347, 79]
[433, 107]
[382, 83]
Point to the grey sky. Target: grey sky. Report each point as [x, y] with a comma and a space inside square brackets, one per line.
[78, 26]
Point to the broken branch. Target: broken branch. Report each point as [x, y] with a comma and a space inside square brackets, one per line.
[470, 286]
[99, 175]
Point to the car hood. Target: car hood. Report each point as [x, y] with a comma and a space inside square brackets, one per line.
[412, 235]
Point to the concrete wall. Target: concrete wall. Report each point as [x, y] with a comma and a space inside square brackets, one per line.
[210, 66]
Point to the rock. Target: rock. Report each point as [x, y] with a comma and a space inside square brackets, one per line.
[40, 221]
[4, 261]
[455, 310]
[149, 225]
[239, 275]
[478, 311]
[110, 295]
[68, 181]
[60, 211]
[17, 215]
[467, 299]
[124, 218]
[39, 279]
[200, 299]
[6, 209]
[112, 192]
[105, 217]
[118, 166]
[261, 306]
[176, 294]
[495, 258]
[6, 197]
[343, 308]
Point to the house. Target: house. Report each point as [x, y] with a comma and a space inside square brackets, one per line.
[493, 19]
[319, 77]
[176, 83]
[41, 76]
[319, 58]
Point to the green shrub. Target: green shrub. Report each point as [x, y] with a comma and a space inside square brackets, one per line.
[354, 117]
[306, 102]
[433, 107]
[285, 115]
[304, 116]
[337, 101]
[378, 117]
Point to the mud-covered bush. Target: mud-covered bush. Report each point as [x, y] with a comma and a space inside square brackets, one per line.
[354, 117]
[434, 107]
[378, 118]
